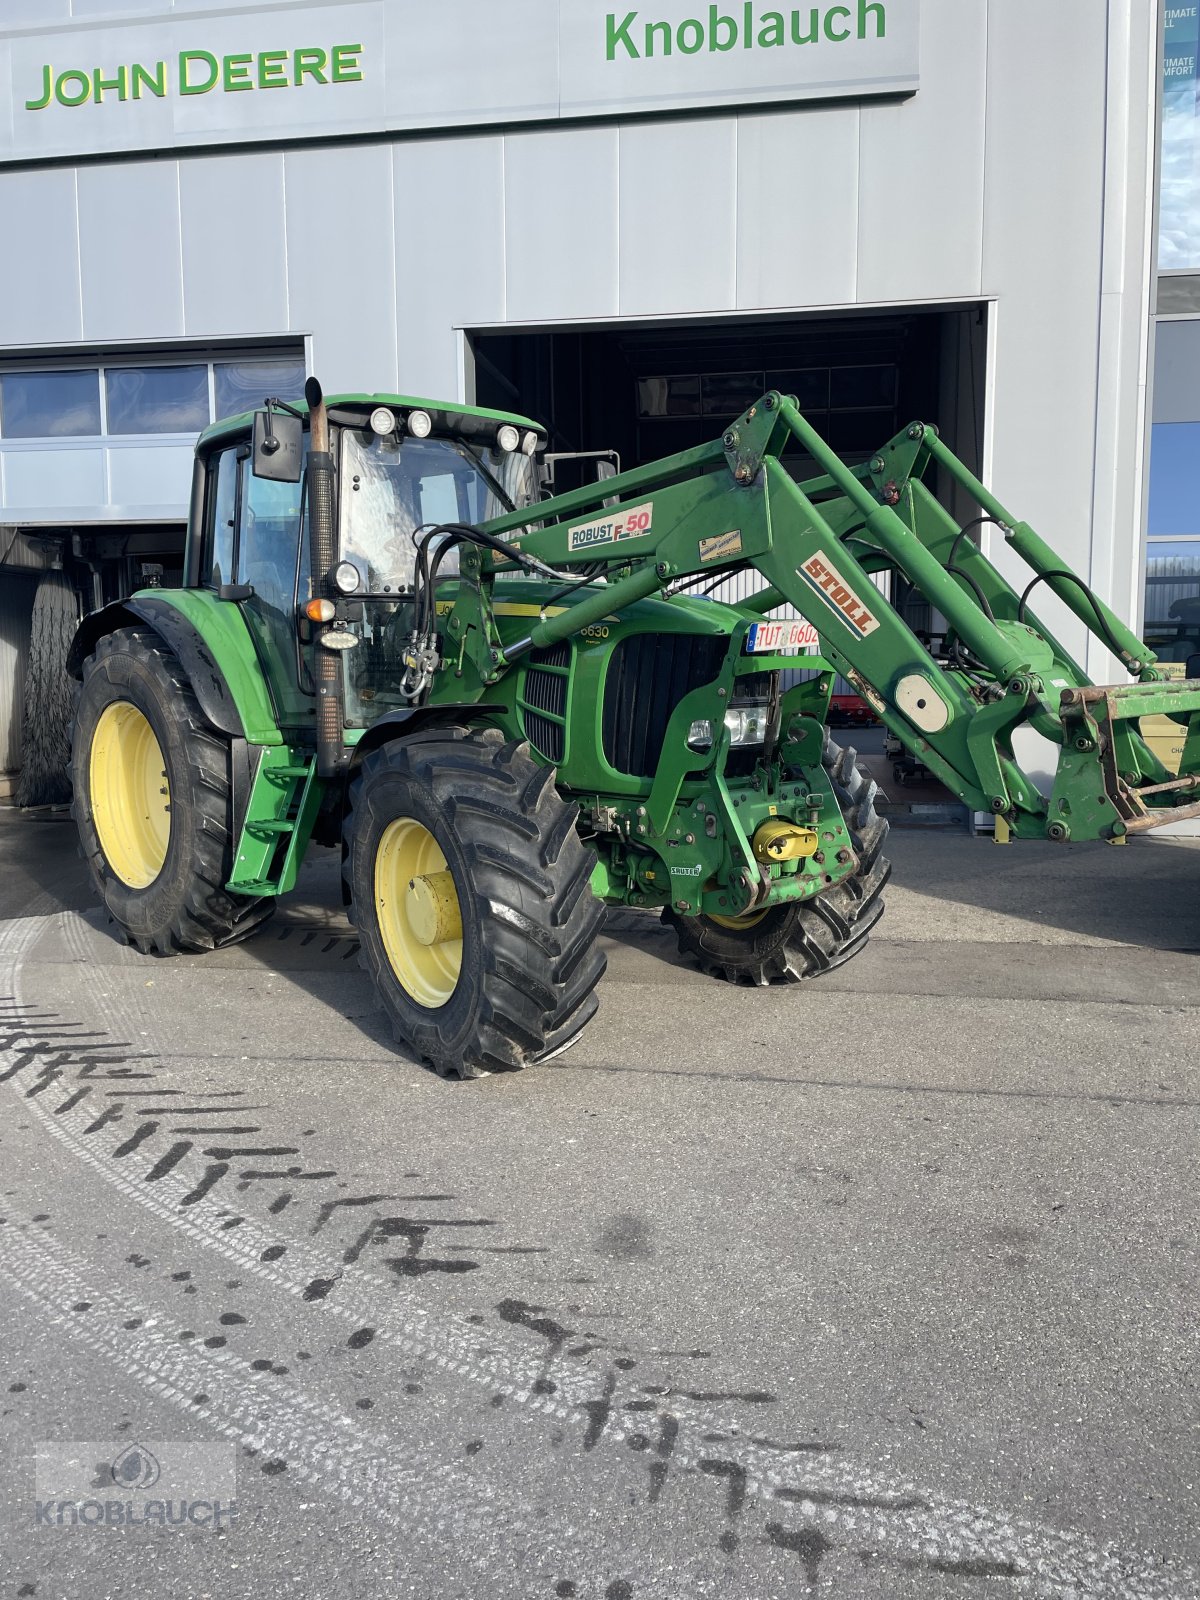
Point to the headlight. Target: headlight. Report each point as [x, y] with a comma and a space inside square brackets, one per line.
[746, 724]
[346, 576]
[383, 421]
[420, 424]
[529, 443]
[507, 437]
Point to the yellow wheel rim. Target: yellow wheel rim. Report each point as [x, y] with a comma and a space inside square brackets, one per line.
[738, 924]
[418, 912]
[130, 795]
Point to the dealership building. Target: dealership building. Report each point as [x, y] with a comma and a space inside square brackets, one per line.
[625, 222]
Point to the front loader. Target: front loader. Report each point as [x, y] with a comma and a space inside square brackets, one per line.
[509, 711]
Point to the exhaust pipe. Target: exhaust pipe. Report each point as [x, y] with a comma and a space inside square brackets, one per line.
[332, 755]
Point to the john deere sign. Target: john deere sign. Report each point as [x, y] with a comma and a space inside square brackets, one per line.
[199, 72]
[378, 66]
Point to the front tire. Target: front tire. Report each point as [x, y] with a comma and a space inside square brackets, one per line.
[803, 939]
[152, 800]
[471, 892]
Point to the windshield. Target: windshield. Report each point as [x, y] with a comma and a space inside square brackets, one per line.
[394, 485]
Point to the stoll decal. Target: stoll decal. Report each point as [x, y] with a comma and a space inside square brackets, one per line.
[627, 522]
[822, 576]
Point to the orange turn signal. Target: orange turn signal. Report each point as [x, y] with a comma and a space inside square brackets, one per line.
[319, 610]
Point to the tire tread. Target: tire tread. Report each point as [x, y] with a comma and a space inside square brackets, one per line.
[825, 931]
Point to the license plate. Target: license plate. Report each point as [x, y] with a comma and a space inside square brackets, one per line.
[779, 636]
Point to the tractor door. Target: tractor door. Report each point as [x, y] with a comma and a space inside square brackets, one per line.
[272, 560]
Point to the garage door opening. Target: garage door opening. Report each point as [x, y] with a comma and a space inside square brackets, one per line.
[651, 389]
[648, 389]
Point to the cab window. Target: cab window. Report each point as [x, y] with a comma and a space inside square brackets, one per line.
[270, 539]
[220, 542]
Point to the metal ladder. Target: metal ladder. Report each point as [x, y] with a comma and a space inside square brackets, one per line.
[283, 804]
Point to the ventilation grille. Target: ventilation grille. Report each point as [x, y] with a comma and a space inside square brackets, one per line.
[544, 700]
[648, 676]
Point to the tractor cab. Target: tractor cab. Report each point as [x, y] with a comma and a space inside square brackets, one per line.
[401, 466]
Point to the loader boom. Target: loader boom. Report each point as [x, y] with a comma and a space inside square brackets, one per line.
[732, 505]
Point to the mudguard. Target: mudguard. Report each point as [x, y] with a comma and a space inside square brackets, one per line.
[408, 720]
[210, 640]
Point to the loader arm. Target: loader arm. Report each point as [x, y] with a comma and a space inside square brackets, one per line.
[732, 505]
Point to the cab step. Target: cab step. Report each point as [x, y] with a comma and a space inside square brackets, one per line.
[284, 799]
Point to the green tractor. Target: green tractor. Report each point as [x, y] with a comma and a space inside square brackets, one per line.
[510, 710]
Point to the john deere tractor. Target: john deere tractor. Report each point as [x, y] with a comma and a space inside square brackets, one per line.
[510, 710]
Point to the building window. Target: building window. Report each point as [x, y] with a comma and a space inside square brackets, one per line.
[120, 399]
[243, 385]
[1172, 602]
[1179, 189]
[49, 405]
[157, 399]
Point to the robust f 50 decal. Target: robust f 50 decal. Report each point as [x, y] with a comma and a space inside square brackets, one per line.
[824, 577]
[629, 522]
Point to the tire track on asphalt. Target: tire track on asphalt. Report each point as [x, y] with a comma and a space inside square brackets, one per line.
[330, 1450]
[880, 1513]
[437, 1503]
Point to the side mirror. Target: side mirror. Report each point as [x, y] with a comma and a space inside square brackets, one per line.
[604, 464]
[278, 446]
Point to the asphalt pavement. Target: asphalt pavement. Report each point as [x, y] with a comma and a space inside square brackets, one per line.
[882, 1286]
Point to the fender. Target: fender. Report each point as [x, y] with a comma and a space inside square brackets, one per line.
[408, 720]
[212, 644]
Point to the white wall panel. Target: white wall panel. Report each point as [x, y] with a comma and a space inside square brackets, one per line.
[1042, 238]
[7, 98]
[1126, 289]
[33, 12]
[95, 9]
[571, 177]
[340, 265]
[225, 5]
[920, 202]
[234, 254]
[132, 277]
[677, 212]
[150, 475]
[39, 258]
[797, 208]
[449, 253]
[46, 481]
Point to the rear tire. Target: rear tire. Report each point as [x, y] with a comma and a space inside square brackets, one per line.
[519, 985]
[160, 864]
[44, 778]
[789, 943]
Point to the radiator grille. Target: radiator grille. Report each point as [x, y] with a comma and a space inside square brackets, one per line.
[544, 700]
[648, 676]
